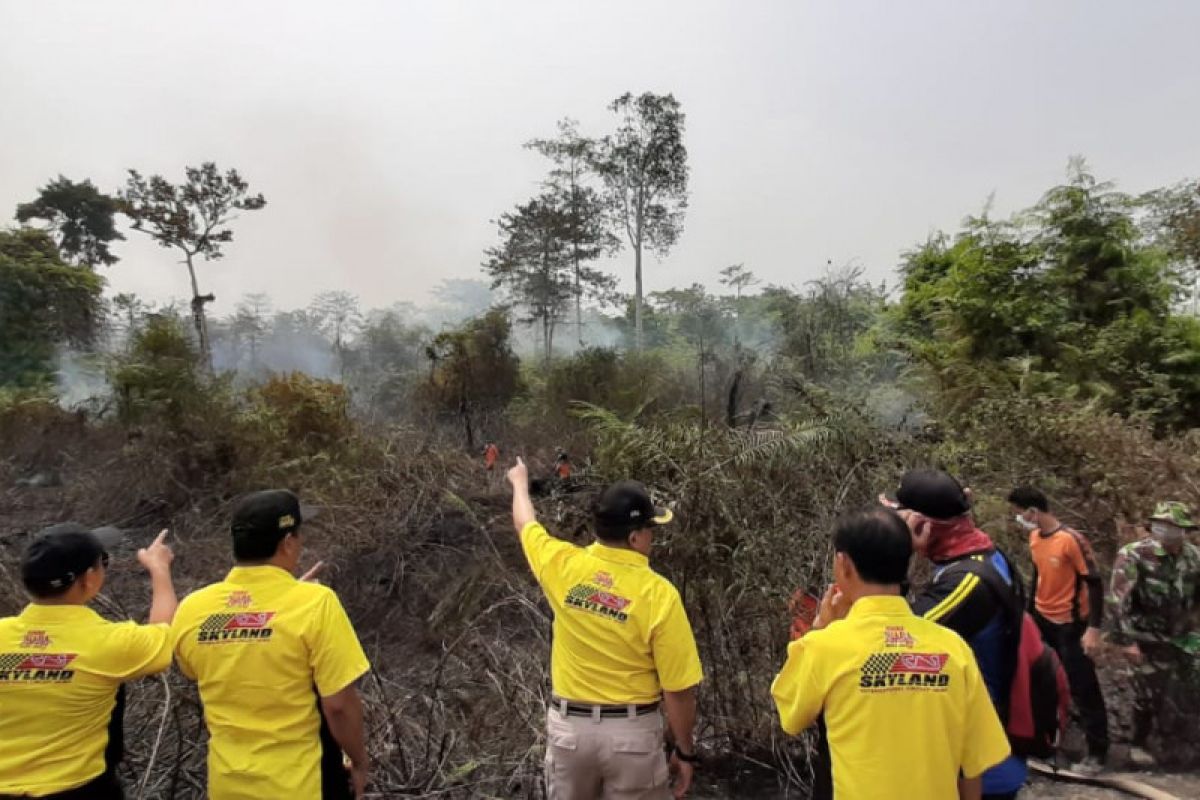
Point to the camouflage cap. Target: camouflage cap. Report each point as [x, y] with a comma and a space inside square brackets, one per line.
[1174, 512]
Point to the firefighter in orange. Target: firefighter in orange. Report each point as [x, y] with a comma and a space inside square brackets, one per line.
[491, 454]
[563, 467]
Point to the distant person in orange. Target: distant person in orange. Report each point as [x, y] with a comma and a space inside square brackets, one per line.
[1068, 599]
[491, 454]
[563, 467]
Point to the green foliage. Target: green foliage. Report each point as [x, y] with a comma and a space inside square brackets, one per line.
[44, 303]
[81, 215]
[621, 382]
[533, 262]
[473, 372]
[193, 216]
[1068, 298]
[386, 364]
[301, 414]
[158, 378]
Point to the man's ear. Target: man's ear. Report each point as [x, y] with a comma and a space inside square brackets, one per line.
[843, 567]
[91, 582]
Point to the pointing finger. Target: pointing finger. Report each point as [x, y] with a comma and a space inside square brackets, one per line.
[162, 535]
[312, 572]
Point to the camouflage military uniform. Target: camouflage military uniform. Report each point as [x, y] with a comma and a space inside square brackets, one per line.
[1153, 600]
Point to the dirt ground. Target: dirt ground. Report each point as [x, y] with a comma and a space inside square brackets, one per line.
[1182, 786]
[1185, 787]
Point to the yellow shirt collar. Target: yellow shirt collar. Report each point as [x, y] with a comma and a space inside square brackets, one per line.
[880, 605]
[264, 573]
[37, 612]
[618, 555]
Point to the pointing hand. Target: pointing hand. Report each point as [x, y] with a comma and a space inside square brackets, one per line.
[157, 556]
[518, 475]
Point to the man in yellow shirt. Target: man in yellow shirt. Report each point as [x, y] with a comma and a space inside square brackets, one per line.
[906, 712]
[276, 660]
[62, 666]
[622, 644]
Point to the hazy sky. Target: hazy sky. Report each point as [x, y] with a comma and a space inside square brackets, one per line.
[385, 136]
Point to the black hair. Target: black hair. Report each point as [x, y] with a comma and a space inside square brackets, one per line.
[613, 534]
[1028, 497]
[41, 591]
[259, 546]
[879, 544]
[44, 591]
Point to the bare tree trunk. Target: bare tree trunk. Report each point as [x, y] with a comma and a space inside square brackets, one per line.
[546, 337]
[198, 318]
[637, 297]
[732, 403]
[578, 299]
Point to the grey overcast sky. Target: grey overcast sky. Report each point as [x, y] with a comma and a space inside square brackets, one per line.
[387, 135]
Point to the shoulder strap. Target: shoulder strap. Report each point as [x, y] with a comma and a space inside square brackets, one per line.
[1012, 595]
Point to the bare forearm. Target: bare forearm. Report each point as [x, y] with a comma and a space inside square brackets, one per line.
[523, 512]
[970, 788]
[346, 725]
[681, 717]
[163, 601]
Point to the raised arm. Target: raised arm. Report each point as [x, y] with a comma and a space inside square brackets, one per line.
[522, 508]
[156, 559]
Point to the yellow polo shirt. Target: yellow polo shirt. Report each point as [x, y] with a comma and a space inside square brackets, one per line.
[60, 667]
[263, 646]
[903, 699]
[620, 632]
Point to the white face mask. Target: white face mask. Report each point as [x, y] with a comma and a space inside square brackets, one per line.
[1167, 534]
[1024, 523]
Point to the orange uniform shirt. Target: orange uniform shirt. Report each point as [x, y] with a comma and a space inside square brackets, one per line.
[1062, 560]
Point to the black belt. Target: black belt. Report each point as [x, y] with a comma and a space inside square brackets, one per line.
[570, 709]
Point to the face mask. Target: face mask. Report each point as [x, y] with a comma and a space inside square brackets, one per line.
[1024, 523]
[1167, 534]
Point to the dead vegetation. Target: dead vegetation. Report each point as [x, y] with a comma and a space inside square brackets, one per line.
[422, 553]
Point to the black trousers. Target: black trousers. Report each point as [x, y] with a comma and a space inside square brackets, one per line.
[1066, 639]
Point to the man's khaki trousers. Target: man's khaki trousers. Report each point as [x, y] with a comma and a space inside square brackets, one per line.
[611, 758]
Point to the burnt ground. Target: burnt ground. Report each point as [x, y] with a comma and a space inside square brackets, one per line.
[23, 509]
[1183, 786]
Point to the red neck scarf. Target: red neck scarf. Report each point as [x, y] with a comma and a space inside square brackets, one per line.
[953, 538]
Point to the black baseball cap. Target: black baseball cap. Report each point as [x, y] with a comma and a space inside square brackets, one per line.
[627, 504]
[932, 493]
[58, 555]
[272, 513]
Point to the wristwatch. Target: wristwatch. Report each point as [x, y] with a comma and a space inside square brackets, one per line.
[691, 758]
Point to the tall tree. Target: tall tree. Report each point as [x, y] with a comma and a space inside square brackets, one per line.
[533, 262]
[81, 216]
[585, 224]
[738, 278]
[1174, 224]
[701, 322]
[473, 372]
[337, 316]
[131, 310]
[44, 302]
[645, 173]
[251, 322]
[192, 217]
